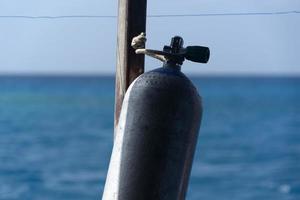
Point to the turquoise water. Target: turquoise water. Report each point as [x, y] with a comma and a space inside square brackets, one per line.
[56, 138]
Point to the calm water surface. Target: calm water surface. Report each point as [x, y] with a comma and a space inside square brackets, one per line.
[56, 138]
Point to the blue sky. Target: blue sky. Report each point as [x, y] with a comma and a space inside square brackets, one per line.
[263, 44]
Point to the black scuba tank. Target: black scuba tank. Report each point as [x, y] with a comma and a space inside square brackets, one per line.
[157, 132]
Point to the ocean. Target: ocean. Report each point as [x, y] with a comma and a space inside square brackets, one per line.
[56, 138]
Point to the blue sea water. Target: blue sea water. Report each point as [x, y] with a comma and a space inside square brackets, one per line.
[56, 138]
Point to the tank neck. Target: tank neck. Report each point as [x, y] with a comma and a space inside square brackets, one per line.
[172, 65]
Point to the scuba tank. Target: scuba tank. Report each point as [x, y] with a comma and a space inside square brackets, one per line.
[158, 130]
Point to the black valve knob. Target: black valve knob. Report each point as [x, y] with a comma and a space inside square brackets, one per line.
[197, 54]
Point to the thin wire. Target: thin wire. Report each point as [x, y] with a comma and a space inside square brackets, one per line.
[154, 16]
[229, 14]
[57, 17]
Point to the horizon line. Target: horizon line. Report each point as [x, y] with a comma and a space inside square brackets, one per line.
[189, 74]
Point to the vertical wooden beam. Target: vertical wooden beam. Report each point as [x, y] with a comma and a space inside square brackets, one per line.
[131, 22]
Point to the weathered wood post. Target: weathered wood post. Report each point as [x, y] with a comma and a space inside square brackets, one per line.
[131, 22]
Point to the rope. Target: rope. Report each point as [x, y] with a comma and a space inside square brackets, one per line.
[139, 43]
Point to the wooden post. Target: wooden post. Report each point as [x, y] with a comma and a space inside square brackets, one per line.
[131, 22]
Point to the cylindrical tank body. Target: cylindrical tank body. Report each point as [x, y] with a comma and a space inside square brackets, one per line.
[155, 139]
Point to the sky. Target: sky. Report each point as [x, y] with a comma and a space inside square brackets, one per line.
[240, 45]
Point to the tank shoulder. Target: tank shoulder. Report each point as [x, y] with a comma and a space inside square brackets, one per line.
[165, 77]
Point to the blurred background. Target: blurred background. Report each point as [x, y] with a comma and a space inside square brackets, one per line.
[57, 65]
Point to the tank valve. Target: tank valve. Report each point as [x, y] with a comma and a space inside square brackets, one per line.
[175, 53]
